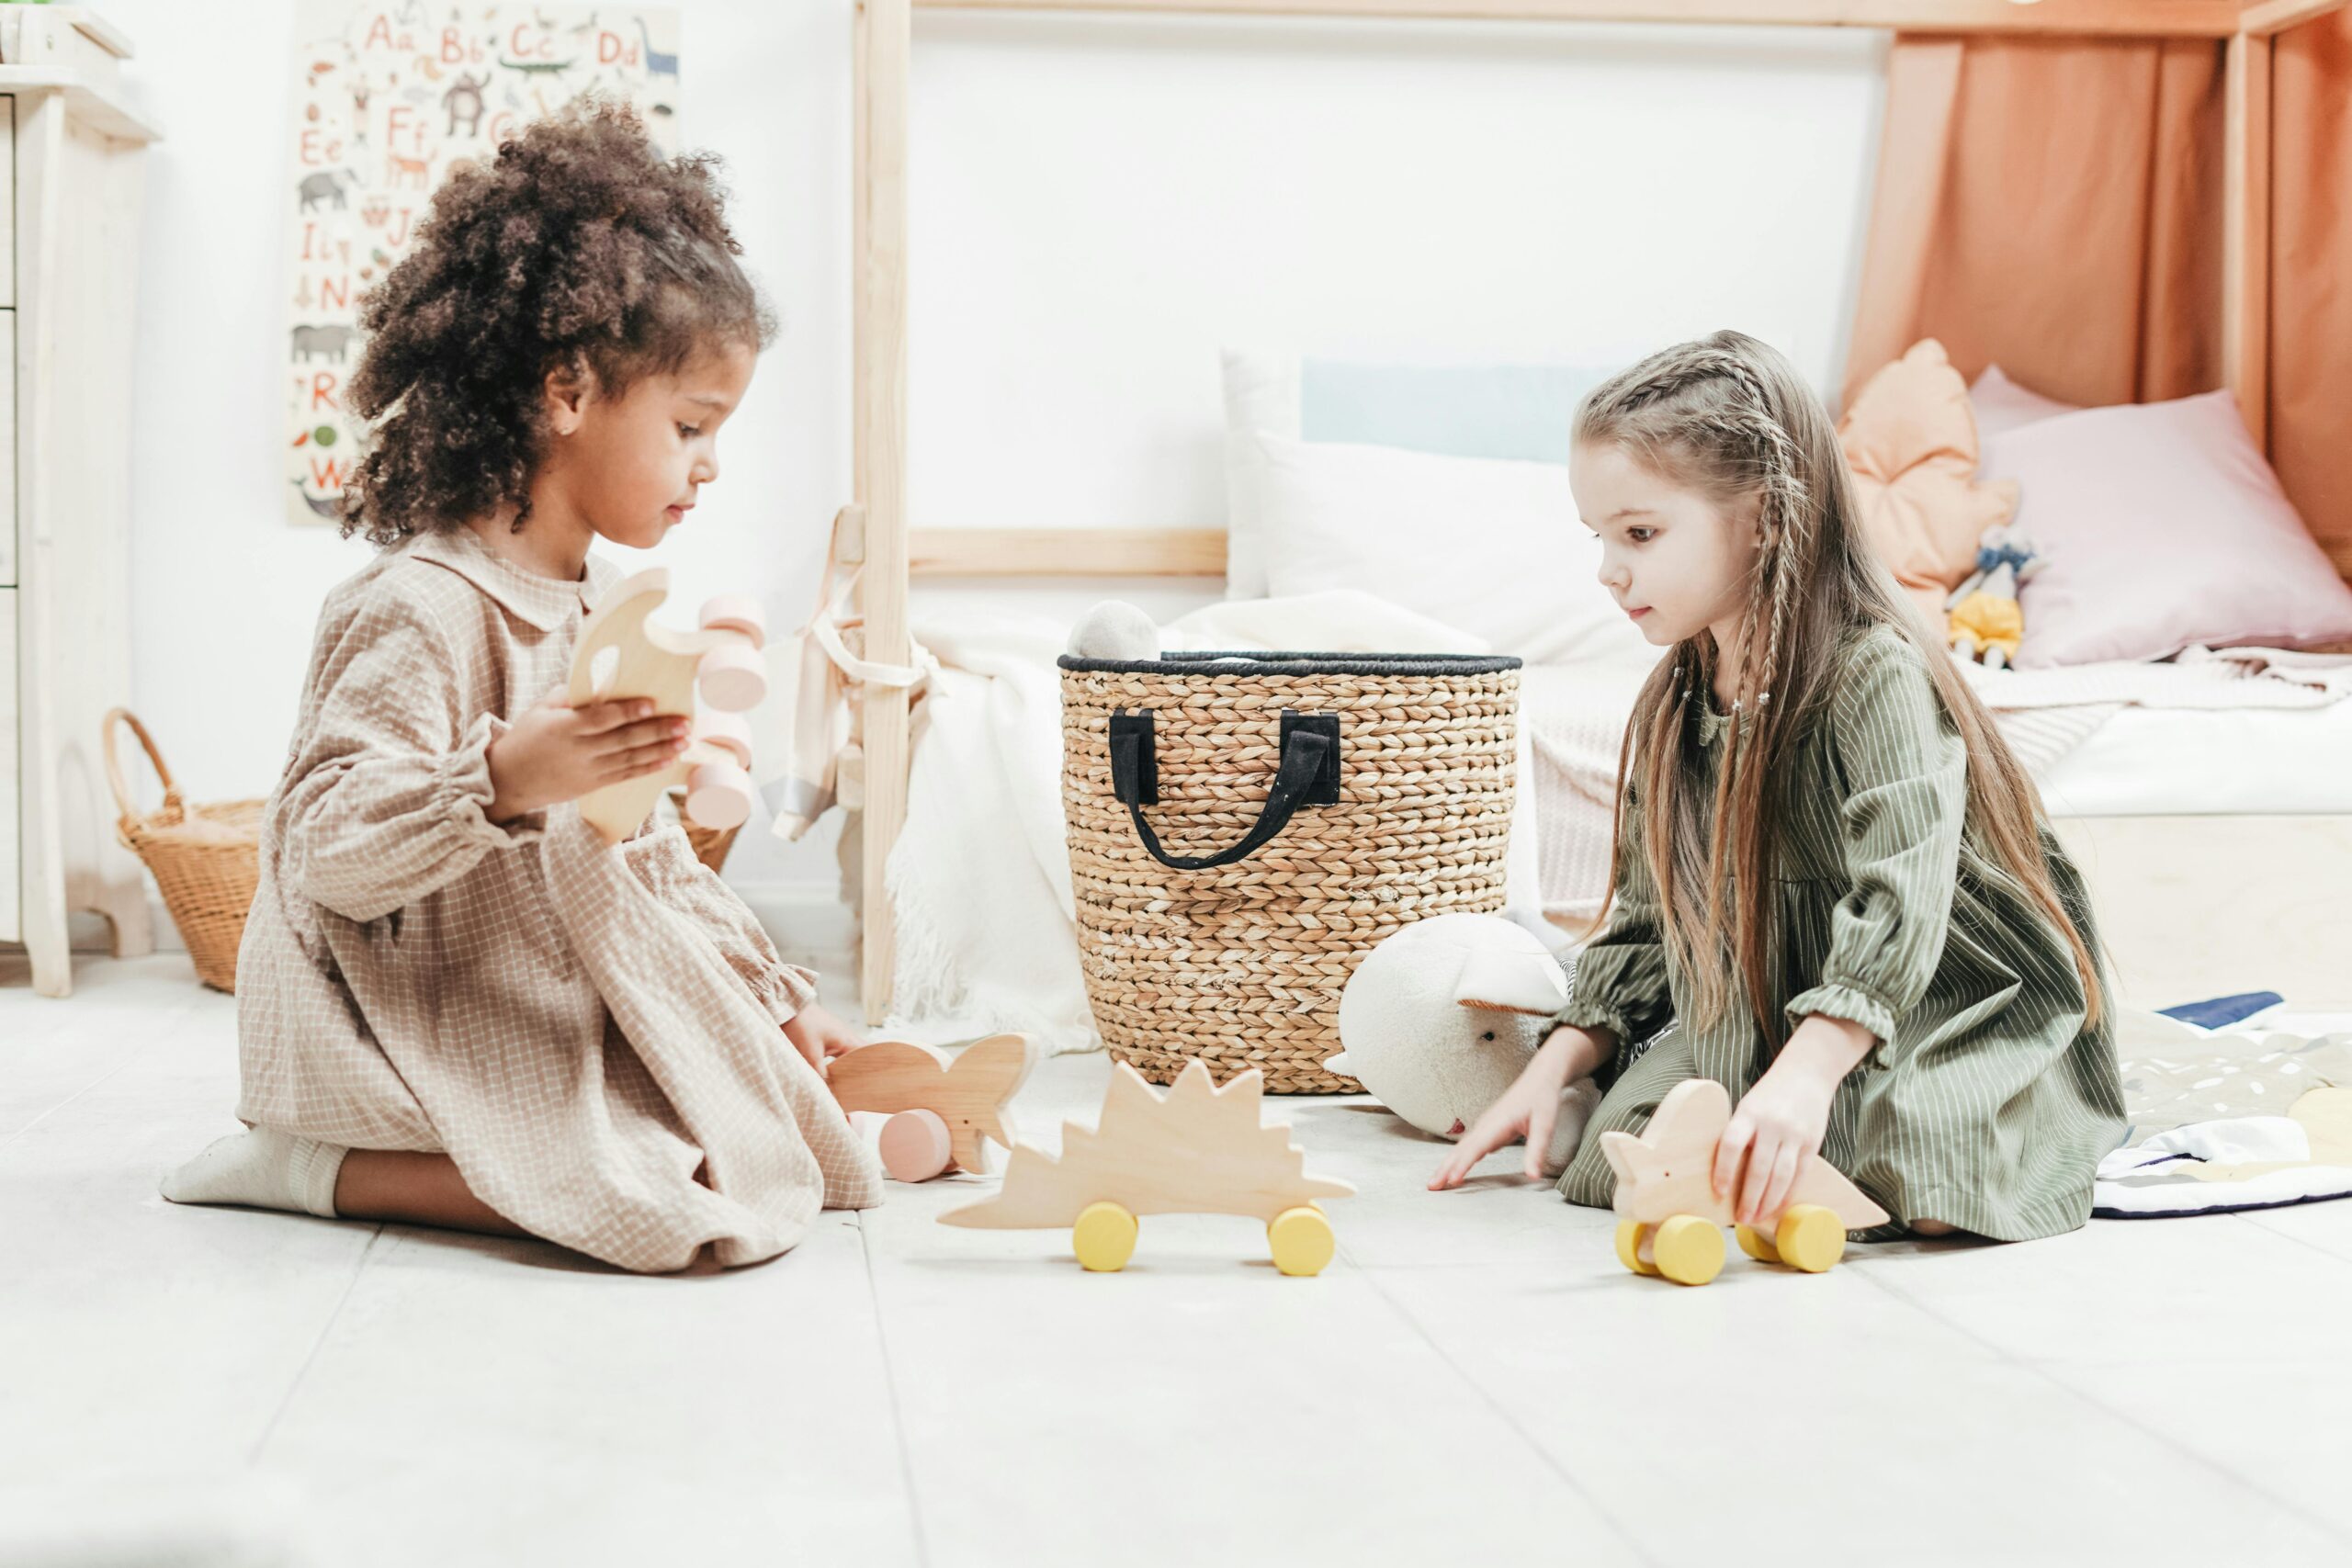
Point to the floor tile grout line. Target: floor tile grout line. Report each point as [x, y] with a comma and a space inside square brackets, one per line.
[2253, 1223]
[2327, 1528]
[890, 1390]
[294, 1385]
[155, 1042]
[1478, 1390]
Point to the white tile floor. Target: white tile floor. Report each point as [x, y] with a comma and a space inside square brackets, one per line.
[1473, 1381]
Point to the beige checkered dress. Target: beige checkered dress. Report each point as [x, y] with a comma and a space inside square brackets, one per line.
[591, 1033]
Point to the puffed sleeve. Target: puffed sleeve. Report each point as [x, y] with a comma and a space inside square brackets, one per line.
[663, 860]
[1620, 983]
[1905, 774]
[384, 802]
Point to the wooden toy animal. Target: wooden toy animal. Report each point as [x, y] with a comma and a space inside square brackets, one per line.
[935, 1111]
[1672, 1221]
[624, 654]
[1199, 1150]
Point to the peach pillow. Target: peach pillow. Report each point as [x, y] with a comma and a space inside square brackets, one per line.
[1910, 441]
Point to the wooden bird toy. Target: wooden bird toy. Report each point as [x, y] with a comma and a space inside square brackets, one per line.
[1672, 1221]
[936, 1109]
[1199, 1150]
[623, 654]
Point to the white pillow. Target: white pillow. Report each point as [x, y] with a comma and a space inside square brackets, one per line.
[1486, 545]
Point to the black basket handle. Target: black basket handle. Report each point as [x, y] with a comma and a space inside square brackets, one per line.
[1308, 775]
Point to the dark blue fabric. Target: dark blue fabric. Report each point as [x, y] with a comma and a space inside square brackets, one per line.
[2223, 1011]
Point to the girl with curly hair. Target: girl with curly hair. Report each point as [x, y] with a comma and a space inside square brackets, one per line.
[457, 1006]
[1833, 880]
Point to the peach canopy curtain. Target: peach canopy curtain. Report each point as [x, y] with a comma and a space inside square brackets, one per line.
[2054, 207]
[2311, 275]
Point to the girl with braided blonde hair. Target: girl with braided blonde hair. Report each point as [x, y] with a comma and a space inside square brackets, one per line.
[1832, 877]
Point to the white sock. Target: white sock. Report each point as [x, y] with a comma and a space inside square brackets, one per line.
[262, 1169]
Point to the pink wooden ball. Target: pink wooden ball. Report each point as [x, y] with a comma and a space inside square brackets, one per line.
[737, 613]
[730, 733]
[719, 797]
[915, 1145]
[732, 679]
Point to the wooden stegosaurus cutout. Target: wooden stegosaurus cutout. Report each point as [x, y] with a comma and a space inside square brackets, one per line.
[1199, 1150]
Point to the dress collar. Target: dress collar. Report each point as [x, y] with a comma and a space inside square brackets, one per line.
[547, 602]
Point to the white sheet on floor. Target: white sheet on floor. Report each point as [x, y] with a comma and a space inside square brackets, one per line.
[2162, 1177]
[980, 879]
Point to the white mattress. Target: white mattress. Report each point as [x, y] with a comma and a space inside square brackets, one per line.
[2208, 761]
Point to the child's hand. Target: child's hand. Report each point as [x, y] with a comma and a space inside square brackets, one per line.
[556, 752]
[1529, 1108]
[1780, 1124]
[820, 1036]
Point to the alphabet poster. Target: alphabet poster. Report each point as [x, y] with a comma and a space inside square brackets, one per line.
[389, 95]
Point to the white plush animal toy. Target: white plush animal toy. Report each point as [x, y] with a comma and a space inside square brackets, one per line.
[1115, 629]
[1440, 1019]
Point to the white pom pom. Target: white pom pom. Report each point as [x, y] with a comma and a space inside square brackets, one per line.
[1115, 629]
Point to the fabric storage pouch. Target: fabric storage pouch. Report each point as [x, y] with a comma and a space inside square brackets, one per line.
[1245, 827]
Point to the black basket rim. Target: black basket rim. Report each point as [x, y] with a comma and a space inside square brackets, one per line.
[1252, 662]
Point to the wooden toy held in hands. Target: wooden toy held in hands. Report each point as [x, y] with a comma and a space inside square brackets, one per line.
[1201, 1150]
[623, 654]
[937, 1110]
[1672, 1221]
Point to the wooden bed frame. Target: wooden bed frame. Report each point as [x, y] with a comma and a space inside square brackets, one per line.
[2141, 868]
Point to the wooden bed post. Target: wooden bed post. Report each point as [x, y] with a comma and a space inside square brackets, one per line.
[2245, 231]
[883, 55]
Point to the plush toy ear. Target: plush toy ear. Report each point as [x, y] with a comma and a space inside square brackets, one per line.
[1511, 982]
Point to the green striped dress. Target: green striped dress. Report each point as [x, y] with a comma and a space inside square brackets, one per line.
[1986, 1103]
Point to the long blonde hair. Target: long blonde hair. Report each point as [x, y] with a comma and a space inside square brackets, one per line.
[1729, 417]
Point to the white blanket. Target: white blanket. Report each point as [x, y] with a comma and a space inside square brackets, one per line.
[2198, 677]
[980, 879]
[2210, 1167]
[1577, 716]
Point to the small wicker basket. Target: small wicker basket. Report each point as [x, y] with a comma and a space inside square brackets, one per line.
[205, 859]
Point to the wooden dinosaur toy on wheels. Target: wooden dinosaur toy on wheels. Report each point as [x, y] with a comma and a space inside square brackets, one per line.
[1201, 1150]
[1671, 1221]
[623, 654]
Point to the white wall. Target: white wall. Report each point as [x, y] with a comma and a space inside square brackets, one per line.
[225, 592]
[1099, 204]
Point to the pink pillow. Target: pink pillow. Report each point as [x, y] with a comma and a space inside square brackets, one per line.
[2162, 527]
[2002, 405]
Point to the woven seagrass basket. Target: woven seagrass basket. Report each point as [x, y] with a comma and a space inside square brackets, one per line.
[1245, 827]
[206, 859]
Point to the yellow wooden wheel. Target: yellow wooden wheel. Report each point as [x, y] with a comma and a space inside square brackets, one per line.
[1301, 1239]
[1689, 1250]
[1758, 1247]
[1103, 1237]
[1629, 1248]
[1811, 1239]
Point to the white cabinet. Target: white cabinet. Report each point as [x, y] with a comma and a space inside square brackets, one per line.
[70, 154]
[11, 926]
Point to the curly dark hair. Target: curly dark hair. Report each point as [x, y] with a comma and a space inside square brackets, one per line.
[578, 246]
